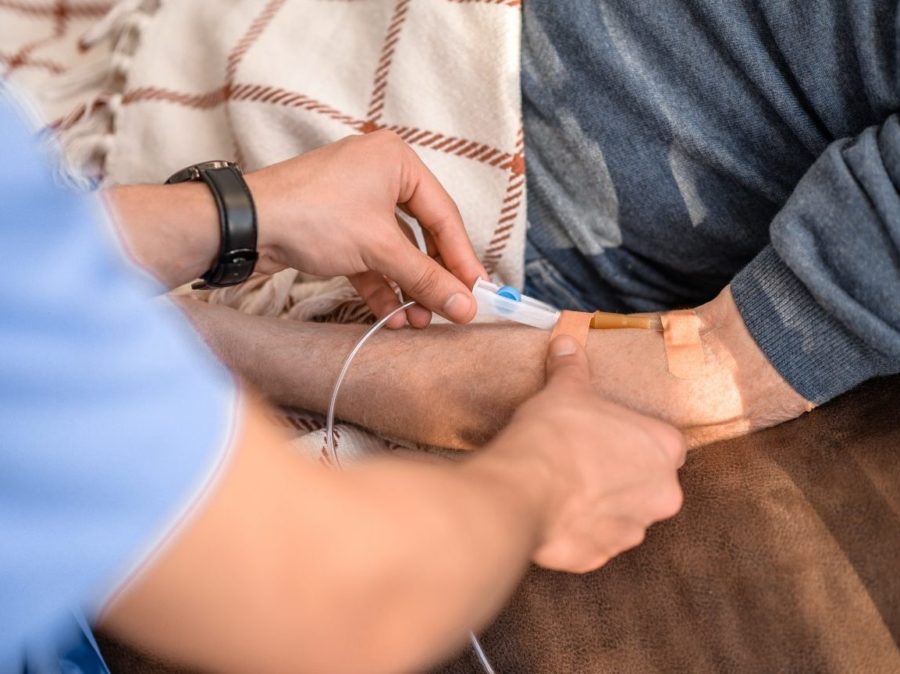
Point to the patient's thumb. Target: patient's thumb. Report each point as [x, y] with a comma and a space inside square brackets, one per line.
[567, 363]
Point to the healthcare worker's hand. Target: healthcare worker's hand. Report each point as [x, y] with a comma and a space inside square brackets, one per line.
[610, 472]
[331, 212]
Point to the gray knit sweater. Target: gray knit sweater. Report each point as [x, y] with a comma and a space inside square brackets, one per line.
[675, 147]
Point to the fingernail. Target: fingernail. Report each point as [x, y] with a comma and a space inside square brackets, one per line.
[458, 307]
[563, 346]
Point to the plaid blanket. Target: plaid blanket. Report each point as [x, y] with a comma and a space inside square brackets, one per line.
[155, 85]
[43, 41]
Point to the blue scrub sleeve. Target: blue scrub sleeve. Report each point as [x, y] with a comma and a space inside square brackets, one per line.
[114, 417]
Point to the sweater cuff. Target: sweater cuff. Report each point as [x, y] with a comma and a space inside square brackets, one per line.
[812, 350]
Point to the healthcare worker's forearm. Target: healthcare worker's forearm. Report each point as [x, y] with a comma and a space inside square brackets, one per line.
[288, 566]
[172, 231]
[457, 387]
[329, 212]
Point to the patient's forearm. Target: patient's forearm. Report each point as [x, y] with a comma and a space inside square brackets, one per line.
[457, 386]
[446, 385]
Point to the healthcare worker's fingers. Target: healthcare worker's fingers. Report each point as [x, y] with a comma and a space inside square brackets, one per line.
[612, 472]
[377, 293]
[418, 316]
[427, 201]
[407, 225]
[568, 369]
[593, 546]
[430, 244]
[671, 442]
[334, 211]
[380, 297]
[424, 280]
[567, 364]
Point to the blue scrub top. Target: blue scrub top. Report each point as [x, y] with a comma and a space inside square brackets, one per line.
[114, 417]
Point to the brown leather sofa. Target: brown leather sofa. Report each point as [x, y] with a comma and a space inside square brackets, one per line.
[785, 558]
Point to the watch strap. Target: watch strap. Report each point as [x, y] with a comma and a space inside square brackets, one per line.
[237, 217]
[237, 221]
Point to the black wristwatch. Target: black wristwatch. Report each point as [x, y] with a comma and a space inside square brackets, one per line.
[237, 221]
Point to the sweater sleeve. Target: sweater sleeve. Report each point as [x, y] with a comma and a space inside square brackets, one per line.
[823, 299]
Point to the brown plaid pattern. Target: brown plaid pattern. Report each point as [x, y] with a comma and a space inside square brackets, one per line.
[261, 80]
[243, 81]
[39, 40]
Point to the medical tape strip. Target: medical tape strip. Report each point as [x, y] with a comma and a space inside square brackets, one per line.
[684, 350]
[576, 324]
[681, 334]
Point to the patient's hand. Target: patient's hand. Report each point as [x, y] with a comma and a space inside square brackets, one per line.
[458, 386]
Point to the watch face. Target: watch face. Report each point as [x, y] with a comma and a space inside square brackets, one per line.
[208, 165]
[192, 173]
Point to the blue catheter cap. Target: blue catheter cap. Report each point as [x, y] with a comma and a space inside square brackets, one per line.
[510, 293]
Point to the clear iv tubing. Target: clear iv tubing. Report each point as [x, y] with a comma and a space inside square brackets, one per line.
[332, 450]
[479, 653]
[329, 428]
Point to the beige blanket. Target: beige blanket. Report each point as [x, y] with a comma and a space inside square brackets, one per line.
[160, 84]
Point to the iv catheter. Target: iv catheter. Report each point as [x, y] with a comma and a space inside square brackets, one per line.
[507, 303]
